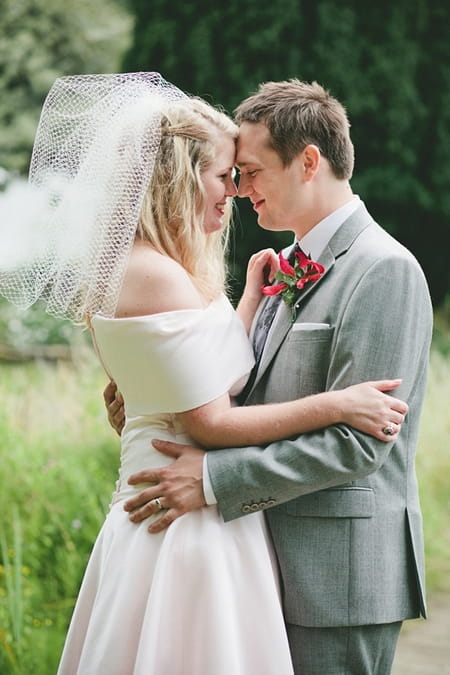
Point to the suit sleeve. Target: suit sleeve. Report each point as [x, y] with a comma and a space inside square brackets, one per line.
[384, 331]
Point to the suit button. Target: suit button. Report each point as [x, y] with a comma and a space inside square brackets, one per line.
[255, 507]
[271, 502]
[246, 509]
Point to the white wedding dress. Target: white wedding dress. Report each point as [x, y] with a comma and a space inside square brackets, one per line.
[202, 597]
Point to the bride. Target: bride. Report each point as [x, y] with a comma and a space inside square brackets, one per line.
[135, 246]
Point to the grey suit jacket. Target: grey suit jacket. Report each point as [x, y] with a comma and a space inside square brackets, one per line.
[342, 507]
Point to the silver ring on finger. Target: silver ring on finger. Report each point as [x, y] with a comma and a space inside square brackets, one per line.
[157, 501]
[389, 430]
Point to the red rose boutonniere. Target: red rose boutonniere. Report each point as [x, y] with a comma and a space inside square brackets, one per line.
[292, 278]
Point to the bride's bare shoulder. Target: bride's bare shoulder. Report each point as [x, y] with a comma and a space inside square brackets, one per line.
[155, 283]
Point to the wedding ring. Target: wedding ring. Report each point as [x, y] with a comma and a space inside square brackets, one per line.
[158, 503]
[388, 431]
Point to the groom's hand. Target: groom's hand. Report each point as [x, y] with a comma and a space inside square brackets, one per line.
[175, 490]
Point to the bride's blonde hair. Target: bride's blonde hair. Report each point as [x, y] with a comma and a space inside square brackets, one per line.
[173, 210]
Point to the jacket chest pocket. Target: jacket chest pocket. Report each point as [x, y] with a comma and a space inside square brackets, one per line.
[301, 365]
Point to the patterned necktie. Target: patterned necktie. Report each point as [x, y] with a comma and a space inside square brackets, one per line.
[267, 315]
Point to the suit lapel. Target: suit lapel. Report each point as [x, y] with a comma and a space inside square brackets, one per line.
[284, 319]
[337, 246]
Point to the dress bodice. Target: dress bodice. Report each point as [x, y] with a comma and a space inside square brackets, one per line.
[175, 361]
[168, 363]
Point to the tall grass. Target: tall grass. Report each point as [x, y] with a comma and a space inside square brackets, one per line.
[58, 466]
[433, 470]
[58, 461]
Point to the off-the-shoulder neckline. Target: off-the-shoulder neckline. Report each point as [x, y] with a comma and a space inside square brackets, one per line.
[142, 317]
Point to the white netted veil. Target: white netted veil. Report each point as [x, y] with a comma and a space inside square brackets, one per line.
[92, 162]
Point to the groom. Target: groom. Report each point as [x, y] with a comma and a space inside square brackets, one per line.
[342, 507]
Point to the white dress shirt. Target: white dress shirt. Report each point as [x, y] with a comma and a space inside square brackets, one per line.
[313, 244]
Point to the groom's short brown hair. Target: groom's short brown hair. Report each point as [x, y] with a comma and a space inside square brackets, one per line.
[300, 113]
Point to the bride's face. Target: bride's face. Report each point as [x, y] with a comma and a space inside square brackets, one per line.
[219, 184]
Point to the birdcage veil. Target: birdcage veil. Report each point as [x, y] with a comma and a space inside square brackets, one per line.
[92, 162]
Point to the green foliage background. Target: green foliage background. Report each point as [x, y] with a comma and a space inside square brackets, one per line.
[40, 41]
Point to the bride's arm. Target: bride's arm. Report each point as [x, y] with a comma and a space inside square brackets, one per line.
[362, 406]
[261, 269]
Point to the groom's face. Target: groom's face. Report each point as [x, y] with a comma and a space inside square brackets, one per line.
[275, 190]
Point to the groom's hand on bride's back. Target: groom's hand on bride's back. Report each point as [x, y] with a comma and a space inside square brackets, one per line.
[171, 490]
[114, 406]
[174, 489]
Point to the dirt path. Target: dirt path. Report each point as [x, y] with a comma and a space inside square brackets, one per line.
[424, 646]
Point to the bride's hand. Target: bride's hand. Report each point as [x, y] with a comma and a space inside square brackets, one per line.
[261, 270]
[365, 407]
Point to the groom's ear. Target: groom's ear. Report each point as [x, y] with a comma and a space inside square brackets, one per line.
[310, 158]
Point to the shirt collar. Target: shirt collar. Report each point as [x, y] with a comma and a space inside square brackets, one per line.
[315, 241]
